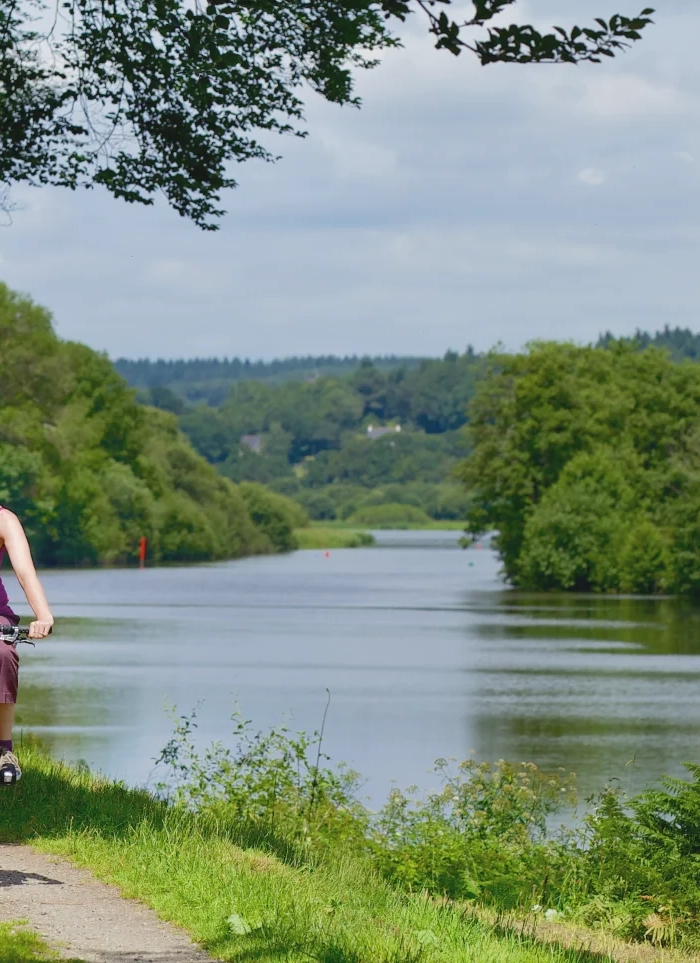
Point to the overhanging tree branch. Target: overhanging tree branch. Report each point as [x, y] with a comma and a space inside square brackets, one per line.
[162, 96]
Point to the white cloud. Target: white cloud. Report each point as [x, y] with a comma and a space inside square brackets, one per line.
[592, 176]
[626, 97]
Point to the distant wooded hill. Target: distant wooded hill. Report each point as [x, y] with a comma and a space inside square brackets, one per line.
[210, 379]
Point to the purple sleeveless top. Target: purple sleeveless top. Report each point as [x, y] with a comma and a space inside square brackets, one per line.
[4, 601]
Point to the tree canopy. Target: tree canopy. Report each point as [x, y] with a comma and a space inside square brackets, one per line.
[587, 463]
[162, 96]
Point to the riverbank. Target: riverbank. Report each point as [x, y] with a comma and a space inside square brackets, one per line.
[325, 537]
[443, 525]
[329, 534]
[239, 898]
[261, 852]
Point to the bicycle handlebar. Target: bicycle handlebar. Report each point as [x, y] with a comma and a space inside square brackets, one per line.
[12, 634]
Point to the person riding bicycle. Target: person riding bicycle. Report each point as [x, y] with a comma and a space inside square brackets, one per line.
[14, 541]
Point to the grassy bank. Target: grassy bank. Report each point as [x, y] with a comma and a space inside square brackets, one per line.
[325, 537]
[432, 526]
[241, 899]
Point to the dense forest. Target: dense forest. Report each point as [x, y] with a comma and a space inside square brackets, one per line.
[317, 440]
[587, 463]
[90, 471]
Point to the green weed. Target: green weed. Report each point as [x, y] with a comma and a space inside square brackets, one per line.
[21, 945]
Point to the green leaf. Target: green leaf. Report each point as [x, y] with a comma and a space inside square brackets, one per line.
[238, 925]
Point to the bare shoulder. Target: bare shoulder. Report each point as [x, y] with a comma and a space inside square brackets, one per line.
[8, 521]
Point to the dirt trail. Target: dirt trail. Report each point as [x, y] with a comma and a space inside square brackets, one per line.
[83, 918]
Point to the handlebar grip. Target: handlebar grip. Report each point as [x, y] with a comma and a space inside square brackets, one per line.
[16, 633]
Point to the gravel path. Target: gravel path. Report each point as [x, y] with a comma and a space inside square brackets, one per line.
[83, 918]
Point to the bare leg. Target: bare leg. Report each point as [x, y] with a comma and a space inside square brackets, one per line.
[7, 718]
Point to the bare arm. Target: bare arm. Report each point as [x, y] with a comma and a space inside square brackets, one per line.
[15, 540]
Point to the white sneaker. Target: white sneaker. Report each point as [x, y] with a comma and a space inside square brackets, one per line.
[10, 771]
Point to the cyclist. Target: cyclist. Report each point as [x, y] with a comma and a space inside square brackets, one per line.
[13, 539]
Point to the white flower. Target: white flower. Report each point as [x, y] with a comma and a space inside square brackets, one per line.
[551, 914]
[537, 908]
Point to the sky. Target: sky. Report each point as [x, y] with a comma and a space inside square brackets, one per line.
[461, 205]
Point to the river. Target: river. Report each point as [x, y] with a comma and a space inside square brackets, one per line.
[424, 651]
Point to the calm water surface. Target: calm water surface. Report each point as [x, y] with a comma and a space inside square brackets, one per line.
[424, 651]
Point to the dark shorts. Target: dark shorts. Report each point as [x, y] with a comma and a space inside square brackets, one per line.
[9, 669]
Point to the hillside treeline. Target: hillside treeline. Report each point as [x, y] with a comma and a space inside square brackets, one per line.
[209, 379]
[587, 463]
[310, 438]
[90, 471]
[681, 343]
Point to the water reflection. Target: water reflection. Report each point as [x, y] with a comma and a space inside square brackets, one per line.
[426, 654]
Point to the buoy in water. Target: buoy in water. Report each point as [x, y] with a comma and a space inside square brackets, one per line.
[326, 554]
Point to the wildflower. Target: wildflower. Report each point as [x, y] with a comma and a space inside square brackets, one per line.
[551, 914]
[537, 908]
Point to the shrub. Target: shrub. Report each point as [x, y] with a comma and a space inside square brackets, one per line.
[271, 783]
[185, 532]
[636, 865]
[275, 515]
[574, 536]
[482, 836]
[644, 561]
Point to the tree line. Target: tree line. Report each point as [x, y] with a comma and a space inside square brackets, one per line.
[90, 471]
[209, 380]
[679, 342]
